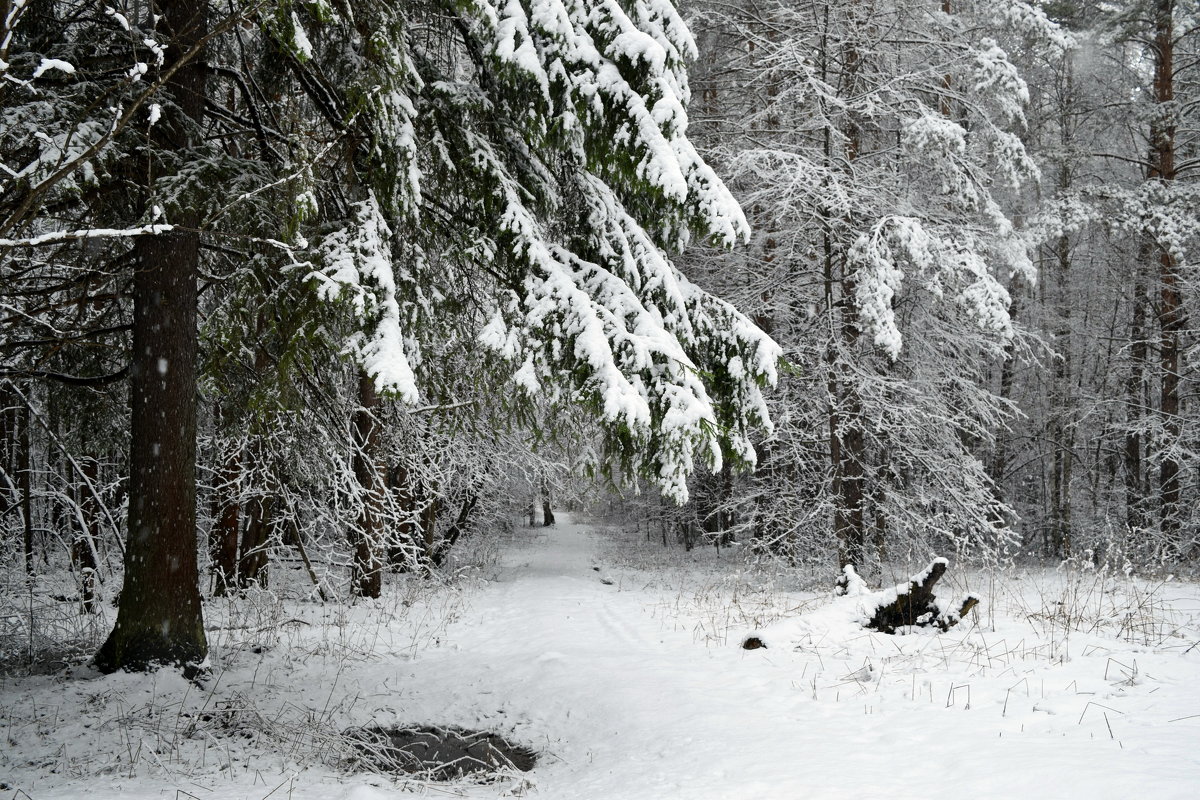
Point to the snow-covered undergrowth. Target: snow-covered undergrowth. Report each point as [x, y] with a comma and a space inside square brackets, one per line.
[1073, 653]
[618, 661]
[711, 592]
[273, 708]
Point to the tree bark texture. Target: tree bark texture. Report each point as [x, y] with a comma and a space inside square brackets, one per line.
[159, 619]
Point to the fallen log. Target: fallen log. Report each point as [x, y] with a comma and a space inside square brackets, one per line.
[898, 609]
[914, 604]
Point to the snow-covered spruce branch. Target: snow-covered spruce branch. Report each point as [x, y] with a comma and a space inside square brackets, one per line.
[121, 121]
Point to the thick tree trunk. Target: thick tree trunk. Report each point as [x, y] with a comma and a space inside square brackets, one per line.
[366, 537]
[160, 619]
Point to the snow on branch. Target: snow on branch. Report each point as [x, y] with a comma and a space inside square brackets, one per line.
[619, 74]
[623, 329]
[359, 268]
[59, 237]
[878, 255]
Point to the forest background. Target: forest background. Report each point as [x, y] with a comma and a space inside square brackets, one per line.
[347, 282]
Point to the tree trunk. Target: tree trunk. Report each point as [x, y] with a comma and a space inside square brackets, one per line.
[1171, 315]
[160, 619]
[849, 519]
[366, 537]
[256, 542]
[83, 547]
[847, 440]
[429, 516]
[998, 465]
[223, 539]
[1061, 426]
[402, 551]
[916, 605]
[547, 511]
[9, 494]
[25, 482]
[456, 530]
[1135, 409]
[687, 533]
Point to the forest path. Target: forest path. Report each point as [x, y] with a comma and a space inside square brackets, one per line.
[622, 707]
[625, 704]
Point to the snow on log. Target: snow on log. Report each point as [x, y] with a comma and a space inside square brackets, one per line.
[899, 609]
[913, 604]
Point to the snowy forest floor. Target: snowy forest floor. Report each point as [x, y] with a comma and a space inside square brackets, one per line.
[629, 680]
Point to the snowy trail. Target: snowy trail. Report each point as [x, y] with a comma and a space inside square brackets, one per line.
[625, 708]
[611, 685]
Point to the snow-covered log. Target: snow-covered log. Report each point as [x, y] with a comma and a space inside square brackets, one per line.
[908, 604]
[905, 606]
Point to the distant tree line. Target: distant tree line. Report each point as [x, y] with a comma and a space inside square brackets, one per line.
[973, 224]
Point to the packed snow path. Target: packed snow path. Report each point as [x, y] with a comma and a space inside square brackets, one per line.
[625, 707]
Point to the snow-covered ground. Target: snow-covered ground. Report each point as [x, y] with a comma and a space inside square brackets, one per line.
[630, 682]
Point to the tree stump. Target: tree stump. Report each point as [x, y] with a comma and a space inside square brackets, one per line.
[914, 604]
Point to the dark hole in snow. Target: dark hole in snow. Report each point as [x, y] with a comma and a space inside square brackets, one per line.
[439, 753]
